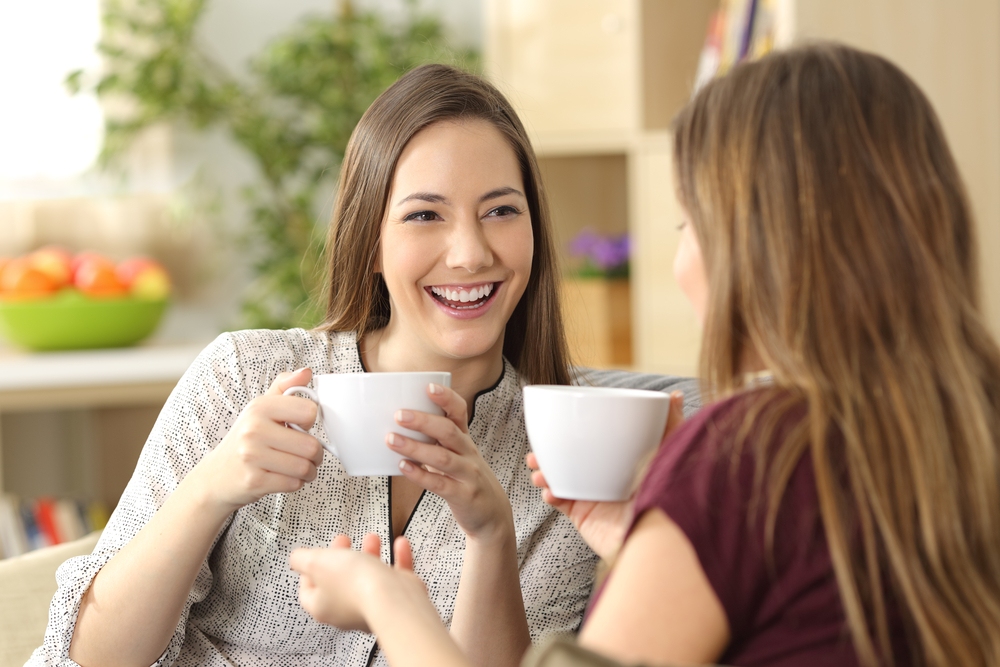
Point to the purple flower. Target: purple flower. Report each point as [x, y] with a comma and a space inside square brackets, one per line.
[604, 255]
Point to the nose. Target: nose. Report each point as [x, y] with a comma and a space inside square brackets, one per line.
[469, 248]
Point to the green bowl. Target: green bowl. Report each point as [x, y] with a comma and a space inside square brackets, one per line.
[71, 321]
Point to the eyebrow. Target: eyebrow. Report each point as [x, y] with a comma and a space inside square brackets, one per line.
[435, 198]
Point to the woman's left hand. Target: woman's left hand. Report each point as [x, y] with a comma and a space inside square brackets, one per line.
[338, 585]
[452, 467]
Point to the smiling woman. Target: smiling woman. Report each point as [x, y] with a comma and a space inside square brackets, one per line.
[440, 259]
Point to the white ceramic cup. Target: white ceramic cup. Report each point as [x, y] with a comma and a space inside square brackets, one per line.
[589, 440]
[358, 411]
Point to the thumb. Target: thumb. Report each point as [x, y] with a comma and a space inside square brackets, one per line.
[675, 417]
[297, 378]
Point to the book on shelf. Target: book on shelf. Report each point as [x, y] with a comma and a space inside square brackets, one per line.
[739, 30]
[29, 524]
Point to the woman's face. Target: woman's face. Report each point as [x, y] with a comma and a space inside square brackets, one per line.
[456, 244]
[689, 270]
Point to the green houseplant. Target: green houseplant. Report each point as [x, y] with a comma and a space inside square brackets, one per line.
[293, 116]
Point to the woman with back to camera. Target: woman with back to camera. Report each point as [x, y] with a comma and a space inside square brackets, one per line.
[441, 259]
[839, 503]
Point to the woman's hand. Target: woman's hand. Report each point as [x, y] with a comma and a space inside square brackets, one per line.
[603, 524]
[260, 455]
[354, 590]
[337, 586]
[452, 467]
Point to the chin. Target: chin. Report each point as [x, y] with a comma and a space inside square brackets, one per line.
[469, 347]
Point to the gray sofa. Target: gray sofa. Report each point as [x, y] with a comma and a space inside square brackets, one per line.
[665, 383]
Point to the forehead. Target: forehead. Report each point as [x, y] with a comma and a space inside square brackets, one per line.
[457, 156]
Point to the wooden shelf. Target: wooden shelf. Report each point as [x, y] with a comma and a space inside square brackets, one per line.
[599, 81]
[74, 422]
[129, 376]
[597, 85]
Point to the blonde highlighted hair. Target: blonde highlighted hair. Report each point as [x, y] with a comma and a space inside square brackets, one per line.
[840, 249]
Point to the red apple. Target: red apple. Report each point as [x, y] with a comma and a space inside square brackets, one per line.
[145, 278]
[95, 277]
[55, 262]
[86, 257]
[21, 280]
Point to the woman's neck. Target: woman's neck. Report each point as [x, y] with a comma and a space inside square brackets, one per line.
[382, 352]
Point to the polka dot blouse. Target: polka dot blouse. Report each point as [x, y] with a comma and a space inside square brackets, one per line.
[243, 608]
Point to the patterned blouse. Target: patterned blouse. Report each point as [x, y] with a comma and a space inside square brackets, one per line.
[243, 608]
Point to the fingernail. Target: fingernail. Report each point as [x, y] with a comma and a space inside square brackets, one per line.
[391, 439]
[299, 370]
[435, 388]
[405, 465]
[404, 416]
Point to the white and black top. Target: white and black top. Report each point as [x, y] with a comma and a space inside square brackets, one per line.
[243, 608]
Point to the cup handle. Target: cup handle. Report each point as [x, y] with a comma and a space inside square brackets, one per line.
[312, 396]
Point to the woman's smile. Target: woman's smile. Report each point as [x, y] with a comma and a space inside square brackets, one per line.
[465, 301]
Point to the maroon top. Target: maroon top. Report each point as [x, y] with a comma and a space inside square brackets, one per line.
[782, 610]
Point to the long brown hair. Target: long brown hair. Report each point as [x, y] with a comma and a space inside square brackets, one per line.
[840, 248]
[534, 340]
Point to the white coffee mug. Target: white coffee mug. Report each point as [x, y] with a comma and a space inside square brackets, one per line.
[358, 411]
[590, 440]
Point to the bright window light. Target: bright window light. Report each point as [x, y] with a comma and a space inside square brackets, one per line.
[46, 134]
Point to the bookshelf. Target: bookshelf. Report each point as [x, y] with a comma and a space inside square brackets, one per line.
[597, 84]
[72, 423]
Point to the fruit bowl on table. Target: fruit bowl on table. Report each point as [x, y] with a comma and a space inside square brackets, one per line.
[71, 320]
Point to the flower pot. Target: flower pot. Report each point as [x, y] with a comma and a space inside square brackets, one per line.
[598, 317]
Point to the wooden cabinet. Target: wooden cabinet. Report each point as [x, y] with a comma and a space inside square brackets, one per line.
[72, 423]
[597, 82]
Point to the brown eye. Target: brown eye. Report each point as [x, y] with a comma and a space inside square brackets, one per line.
[421, 216]
[502, 212]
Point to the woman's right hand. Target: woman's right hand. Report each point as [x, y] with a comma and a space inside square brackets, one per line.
[260, 455]
[603, 524]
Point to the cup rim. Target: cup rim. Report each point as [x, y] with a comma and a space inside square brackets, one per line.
[590, 391]
[382, 374]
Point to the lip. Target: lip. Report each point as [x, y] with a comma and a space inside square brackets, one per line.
[468, 313]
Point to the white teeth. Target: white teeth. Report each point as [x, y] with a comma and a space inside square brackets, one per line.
[463, 296]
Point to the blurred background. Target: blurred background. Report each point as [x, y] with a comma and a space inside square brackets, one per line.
[204, 137]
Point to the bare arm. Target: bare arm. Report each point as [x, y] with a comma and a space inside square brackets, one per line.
[489, 622]
[133, 605]
[658, 607]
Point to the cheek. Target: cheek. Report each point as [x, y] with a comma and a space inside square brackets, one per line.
[689, 272]
[516, 247]
[404, 258]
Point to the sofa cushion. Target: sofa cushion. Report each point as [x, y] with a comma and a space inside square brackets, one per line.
[27, 584]
[666, 383]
